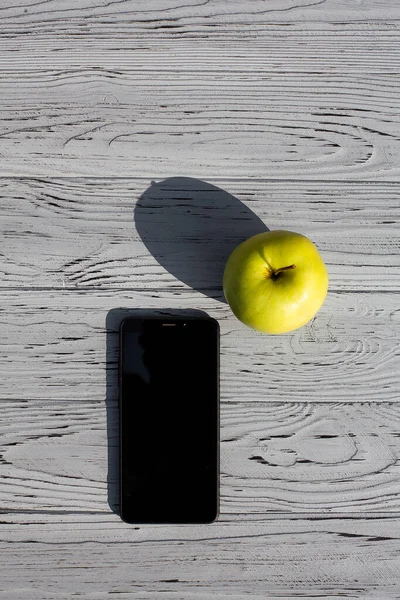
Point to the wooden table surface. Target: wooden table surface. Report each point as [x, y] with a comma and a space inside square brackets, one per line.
[140, 141]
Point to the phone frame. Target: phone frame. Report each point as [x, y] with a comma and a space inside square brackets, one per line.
[177, 320]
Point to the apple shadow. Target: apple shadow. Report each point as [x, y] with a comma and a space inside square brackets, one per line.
[113, 321]
[191, 227]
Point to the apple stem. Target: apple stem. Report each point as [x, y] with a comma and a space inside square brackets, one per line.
[276, 273]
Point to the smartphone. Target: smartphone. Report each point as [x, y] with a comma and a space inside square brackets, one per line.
[169, 419]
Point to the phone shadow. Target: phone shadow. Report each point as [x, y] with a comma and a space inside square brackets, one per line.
[113, 321]
[191, 227]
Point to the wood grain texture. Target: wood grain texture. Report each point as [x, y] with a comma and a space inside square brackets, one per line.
[53, 345]
[299, 558]
[62, 461]
[228, 561]
[58, 536]
[125, 89]
[156, 13]
[130, 233]
[291, 108]
[250, 128]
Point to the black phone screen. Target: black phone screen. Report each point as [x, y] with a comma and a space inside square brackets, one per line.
[169, 420]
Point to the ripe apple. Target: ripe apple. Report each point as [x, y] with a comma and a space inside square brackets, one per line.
[275, 281]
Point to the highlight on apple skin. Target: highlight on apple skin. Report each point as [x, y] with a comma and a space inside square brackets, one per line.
[275, 281]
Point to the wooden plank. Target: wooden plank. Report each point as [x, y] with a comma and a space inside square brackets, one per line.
[300, 558]
[318, 101]
[158, 127]
[157, 14]
[61, 462]
[53, 345]
[252, 47]
[131, 233]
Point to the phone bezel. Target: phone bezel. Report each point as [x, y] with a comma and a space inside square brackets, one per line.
[132, 323]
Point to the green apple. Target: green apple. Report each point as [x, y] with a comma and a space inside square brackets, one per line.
[275, 281]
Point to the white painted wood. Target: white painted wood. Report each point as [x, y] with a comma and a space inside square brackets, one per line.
[292, 107]
[157, 13]
[130, 233]
[62, 461]
[163, 127]
[54, 345]
[299, 558]
[119, 90]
